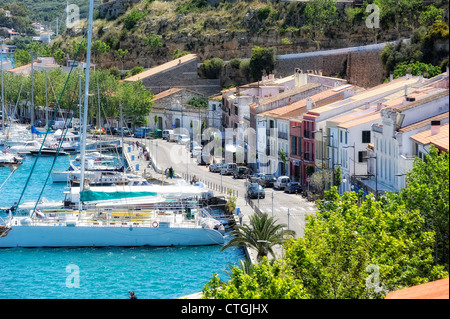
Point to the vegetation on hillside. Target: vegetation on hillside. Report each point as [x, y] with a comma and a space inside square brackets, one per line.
[425, 54]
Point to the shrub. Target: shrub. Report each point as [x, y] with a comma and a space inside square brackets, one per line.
[417, 68]
[137, 70]
[132, 18]
[263, 13]
[212, 68]
[235, 63]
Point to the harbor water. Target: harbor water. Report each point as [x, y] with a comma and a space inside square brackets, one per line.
[98, 273]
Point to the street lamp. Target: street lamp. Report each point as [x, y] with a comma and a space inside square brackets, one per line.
[376, 173]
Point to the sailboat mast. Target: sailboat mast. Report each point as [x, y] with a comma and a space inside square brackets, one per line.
[86, 97]
[3, 97]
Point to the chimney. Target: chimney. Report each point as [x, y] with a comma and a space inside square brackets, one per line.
[308, 104]
[406, 90]
[366, 106]
[391, 77]
[435, 127]
[379, 106]
[297, 77]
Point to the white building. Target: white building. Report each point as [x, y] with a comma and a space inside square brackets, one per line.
[393, 151]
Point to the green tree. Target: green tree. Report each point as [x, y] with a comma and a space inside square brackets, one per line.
[346, 245]
[99, 47]
[337, 176]
[267, 280]
[137, 70]
[428, 192]
[283, 158]
[59, 56]
[121, 54]
[262, 59]
[212, 68]
[319, 15]
[21, 57]
[136, 102]
[153, 42]
[132, 19]
[262, 234]
[431, 15]
[417, 68]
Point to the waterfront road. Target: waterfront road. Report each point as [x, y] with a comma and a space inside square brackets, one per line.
[289, 209]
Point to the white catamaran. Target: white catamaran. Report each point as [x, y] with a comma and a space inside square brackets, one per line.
[113, 216]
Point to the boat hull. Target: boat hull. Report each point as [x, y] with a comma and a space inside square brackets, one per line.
[105, 236]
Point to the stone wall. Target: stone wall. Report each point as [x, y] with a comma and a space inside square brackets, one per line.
[114, 8]
[361, 66]
[183, 76]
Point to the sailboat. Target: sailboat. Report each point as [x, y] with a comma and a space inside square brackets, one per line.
[112, 219]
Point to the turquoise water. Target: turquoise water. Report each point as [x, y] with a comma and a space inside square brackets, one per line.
[99, 273]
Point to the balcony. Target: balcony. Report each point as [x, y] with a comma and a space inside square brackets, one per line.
[283, 135]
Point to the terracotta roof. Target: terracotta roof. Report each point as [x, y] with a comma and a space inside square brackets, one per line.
[368, 118]
[165, 93]
[299, 107]
[371, 93]
[432, 290]
[441, 139]
[288, 93]
[20, 68]
[423, 123]
[161, 68]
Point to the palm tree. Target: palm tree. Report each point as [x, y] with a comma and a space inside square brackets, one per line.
[262, 234]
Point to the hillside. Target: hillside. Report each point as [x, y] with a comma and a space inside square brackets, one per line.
[46, 11]
[150, 31]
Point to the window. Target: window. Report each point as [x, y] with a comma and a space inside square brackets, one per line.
[293, 145]
[299, 143]
[346, 138]
[340, 136]
[366, 136]
[361, 156]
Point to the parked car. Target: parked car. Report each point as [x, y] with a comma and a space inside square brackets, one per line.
[255, 177]
[125, 131]
[183, 139]
[192, 144]
[254, 190]
[293, 187]
[216, 167]
[172, 137]
[281, 182]
[240, 172]
[196, 151]
[142, 132]
[228, 169]
[267, 180]
[96, 130]
[203, 158]
[166, 134]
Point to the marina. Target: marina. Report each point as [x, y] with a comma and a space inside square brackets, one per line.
[108, 272]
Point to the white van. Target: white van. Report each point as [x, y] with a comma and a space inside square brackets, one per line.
[166, 134]
[281, 182]
[228, 169]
